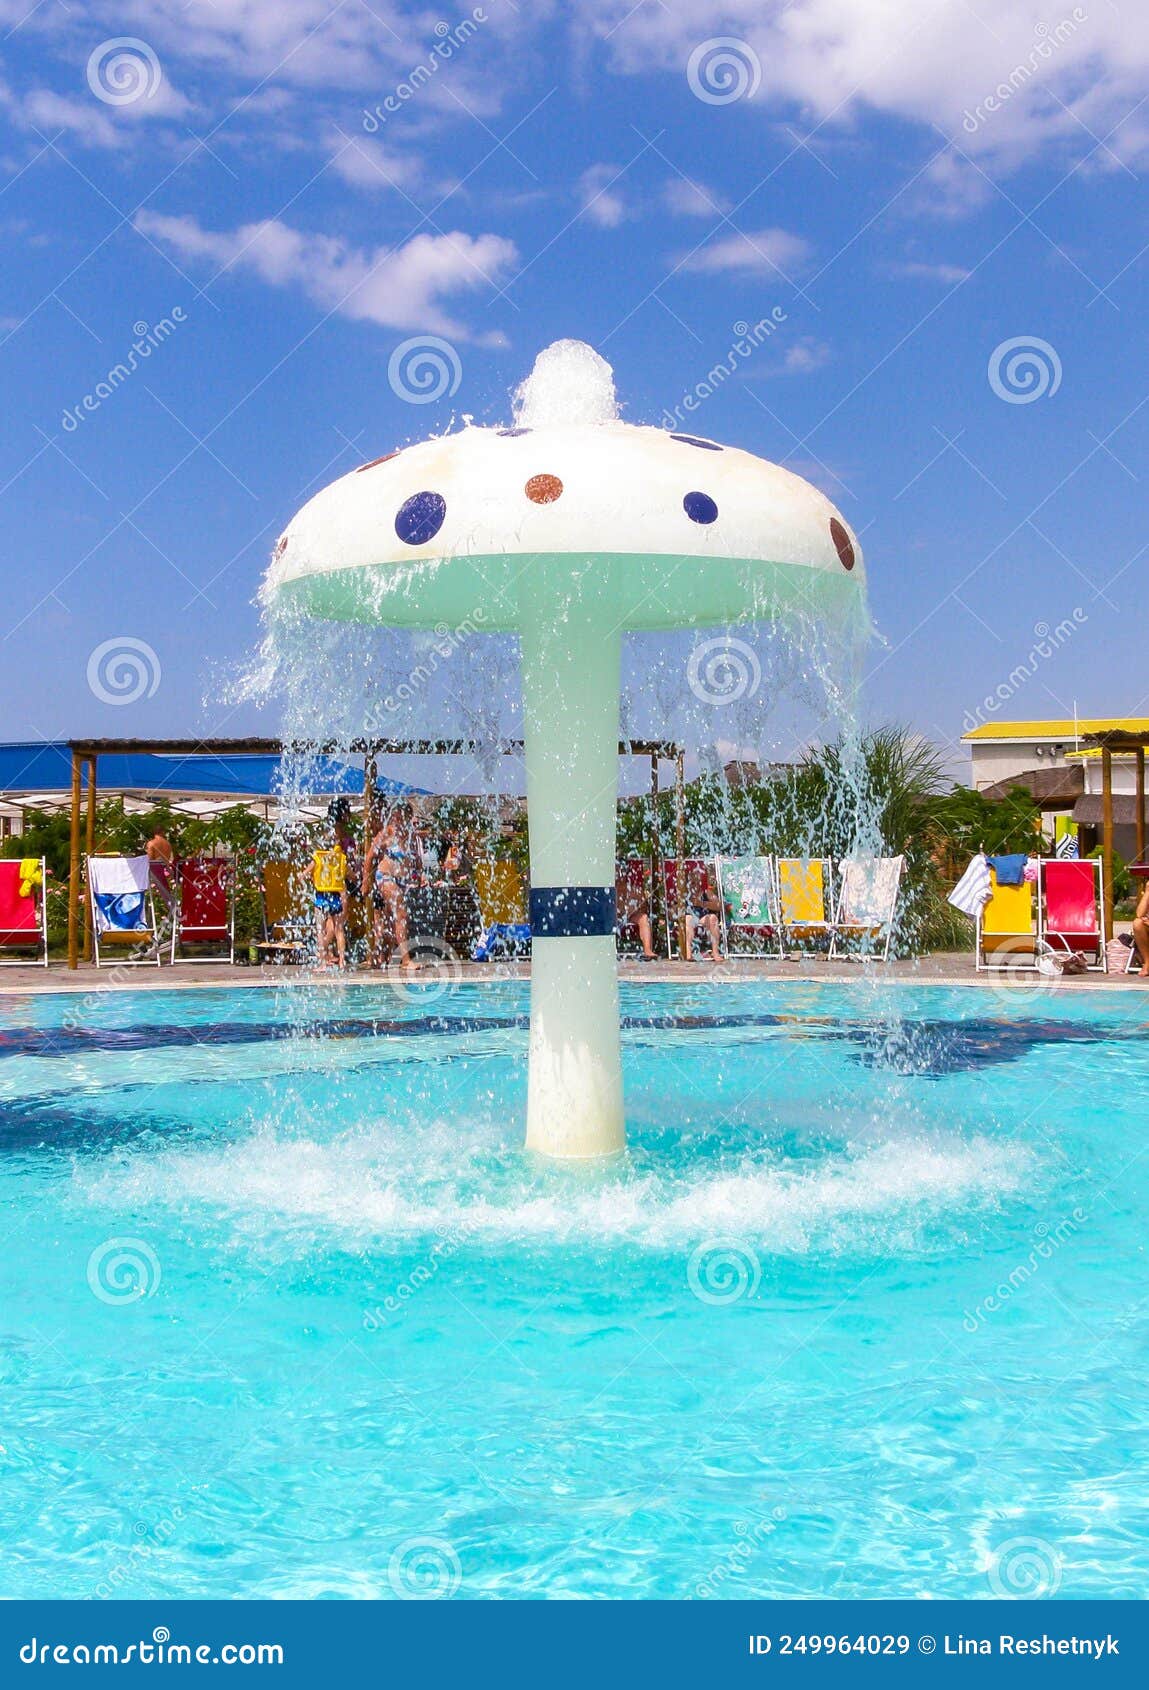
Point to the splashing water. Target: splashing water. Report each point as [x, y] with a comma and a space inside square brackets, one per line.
[570, 383]
[782, 1335]
[779, 1307]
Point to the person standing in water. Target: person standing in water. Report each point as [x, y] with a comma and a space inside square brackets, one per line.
[391, 865]
[329, 878]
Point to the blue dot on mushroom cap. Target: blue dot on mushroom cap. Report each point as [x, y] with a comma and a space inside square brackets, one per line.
[693, 440]
[512, 433]
[700, 507]
[420, 518]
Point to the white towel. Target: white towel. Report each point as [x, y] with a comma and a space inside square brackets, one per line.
[973, 889]
[119, 893]
[119, 874]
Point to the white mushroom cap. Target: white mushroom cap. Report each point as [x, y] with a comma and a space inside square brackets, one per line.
[680, 530]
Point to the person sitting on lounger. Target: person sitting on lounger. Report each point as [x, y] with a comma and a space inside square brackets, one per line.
[1141, 930]
[702, 916]
[635, 912]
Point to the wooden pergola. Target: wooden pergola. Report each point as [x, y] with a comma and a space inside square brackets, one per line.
[86, 754]
[1120, 742]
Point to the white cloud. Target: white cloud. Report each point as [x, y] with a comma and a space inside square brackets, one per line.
[950, 274]
[932, 61]
[366, 163]
[309, 42]
[757, 251]
[685, 198]
[805, 356]
[400, 287]
[602, 200]
[93, 122]
[952, 186]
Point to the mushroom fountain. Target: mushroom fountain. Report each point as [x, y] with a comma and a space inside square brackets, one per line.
[569, 528]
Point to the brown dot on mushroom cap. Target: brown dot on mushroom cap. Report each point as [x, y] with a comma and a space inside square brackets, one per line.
[842, 542]
[385, 459]
[543, 489]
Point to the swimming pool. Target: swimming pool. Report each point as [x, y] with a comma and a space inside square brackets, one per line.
[286, 1312]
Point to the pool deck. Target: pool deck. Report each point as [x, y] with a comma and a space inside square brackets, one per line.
[942, 969]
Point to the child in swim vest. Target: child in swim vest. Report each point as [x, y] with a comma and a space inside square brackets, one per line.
[329, 877]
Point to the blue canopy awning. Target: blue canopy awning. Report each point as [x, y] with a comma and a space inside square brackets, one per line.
[46, 767]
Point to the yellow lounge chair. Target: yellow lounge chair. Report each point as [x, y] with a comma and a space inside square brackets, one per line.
[501, 893]
[803, 892]
[288, 922]
[1007, 927]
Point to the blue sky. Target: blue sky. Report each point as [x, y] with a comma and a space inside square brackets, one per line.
[290, 192]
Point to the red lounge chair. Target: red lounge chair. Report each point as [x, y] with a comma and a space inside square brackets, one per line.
[23, 918]
[205, 907]
[632, 891]
[696, 879]
[1071, 907]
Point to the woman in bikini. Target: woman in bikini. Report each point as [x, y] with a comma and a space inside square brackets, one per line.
[389, 867]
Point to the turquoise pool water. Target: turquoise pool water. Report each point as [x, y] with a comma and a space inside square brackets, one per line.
[284, 1310]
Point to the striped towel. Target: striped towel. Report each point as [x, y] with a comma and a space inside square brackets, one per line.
[973, 889]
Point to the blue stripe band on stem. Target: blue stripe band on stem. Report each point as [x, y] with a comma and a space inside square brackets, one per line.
[571, 912]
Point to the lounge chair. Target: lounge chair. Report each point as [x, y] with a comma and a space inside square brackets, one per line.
[123, 909]
[205, 907]
[502, 894]
[1007, 927]
[1072, 907]
[632, 891]
[868, 901]
[696, 876]
[23, 911]
[288, 923]
[804, 897]
[748, 894]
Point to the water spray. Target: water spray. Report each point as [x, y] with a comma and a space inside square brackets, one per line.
[570, 528]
